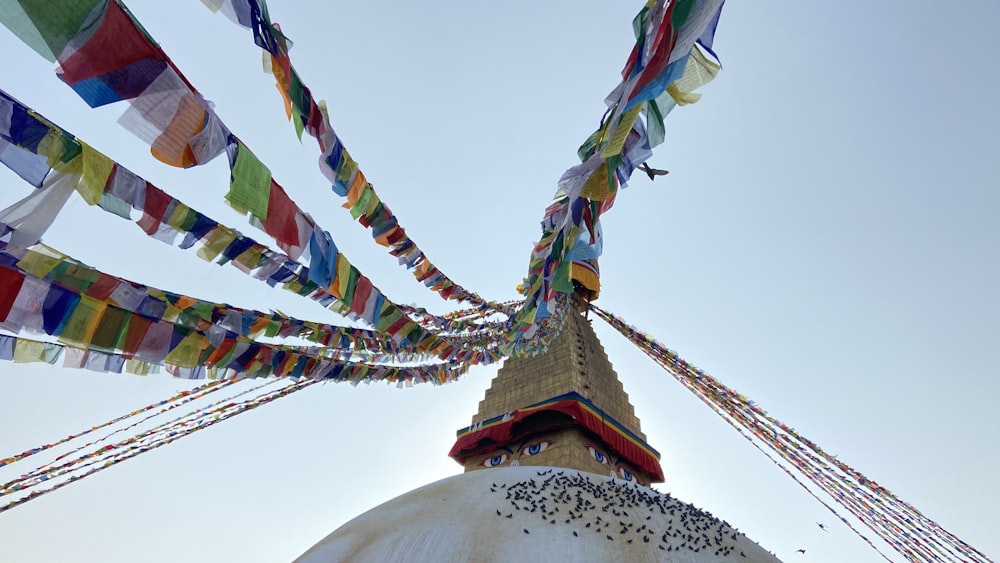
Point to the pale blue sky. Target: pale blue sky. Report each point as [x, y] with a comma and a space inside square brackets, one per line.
[826, 243]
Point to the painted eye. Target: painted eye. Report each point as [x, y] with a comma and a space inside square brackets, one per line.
[536, 449]
[494, 461]
[601, 458]
[626, 474]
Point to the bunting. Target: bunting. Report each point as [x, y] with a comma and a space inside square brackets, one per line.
[348, 181]
[670, 60]
[106, 56]
[98, 322]
[165, 218]
[899, 524]
[93, 458]
[178, 400]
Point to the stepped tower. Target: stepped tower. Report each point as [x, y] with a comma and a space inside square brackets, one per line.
[564, 408]
[556, 469]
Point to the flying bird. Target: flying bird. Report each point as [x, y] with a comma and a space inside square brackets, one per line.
[653, 172]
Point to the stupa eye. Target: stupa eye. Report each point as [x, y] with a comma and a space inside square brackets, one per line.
[535, 449]
[494, 461]
[600, 457]
[626, 474]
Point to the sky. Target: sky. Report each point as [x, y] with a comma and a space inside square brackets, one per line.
[826, 243]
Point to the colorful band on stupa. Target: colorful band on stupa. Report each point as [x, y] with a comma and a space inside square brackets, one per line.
[511, 427]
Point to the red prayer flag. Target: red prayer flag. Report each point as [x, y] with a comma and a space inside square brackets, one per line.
[10, 286]
[155, 206]
[280, 222]
[117, 43]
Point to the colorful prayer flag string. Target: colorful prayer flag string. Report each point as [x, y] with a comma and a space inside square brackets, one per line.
[335, 162]
[117, 190]
[899, 524]
[110, 57]
[671, 58]
[176, 401]
[129, 448]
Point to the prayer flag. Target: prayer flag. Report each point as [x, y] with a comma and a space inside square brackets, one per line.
[10, 285]
[46, 26]
[250, 185]
[116, 62]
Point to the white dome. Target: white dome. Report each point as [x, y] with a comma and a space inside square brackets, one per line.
[535, 514]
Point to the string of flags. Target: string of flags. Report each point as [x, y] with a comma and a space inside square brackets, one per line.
[178, 400]
[671, 58]
[95, 459]
[898, 523]
[76, 166]
[106, 56]
[348, 181]
[101, 322]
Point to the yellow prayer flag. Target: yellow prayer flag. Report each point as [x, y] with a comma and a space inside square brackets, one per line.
[623, 128]
[53, 147]
[595, 187]
[28, 351]
[82, 323]
[293, 285]
[343, 276]
[96, 170]
[171, 314]
[177, 218]
[137, 367]
[220, 238]
[698, 71]
[188, 351]
[40, 260]
[249, 258]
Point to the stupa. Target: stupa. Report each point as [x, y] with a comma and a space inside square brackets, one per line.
[556, 469]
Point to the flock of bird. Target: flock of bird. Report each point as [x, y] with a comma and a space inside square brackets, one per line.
[619, 511]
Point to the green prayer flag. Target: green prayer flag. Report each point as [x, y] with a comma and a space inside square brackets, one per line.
[361, 205]
[250, 189]
[561, 281]
[390, 314]
[47, 26]
[109, 329]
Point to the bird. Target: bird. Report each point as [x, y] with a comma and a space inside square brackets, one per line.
[653, 172]
[822, 527]
[802, 551]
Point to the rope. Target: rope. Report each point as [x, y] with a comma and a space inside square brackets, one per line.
[149, 440]
[899, 524]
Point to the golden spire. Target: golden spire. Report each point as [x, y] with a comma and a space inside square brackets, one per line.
[564, 408]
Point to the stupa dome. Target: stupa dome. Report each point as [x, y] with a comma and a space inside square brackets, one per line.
[532, 513]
